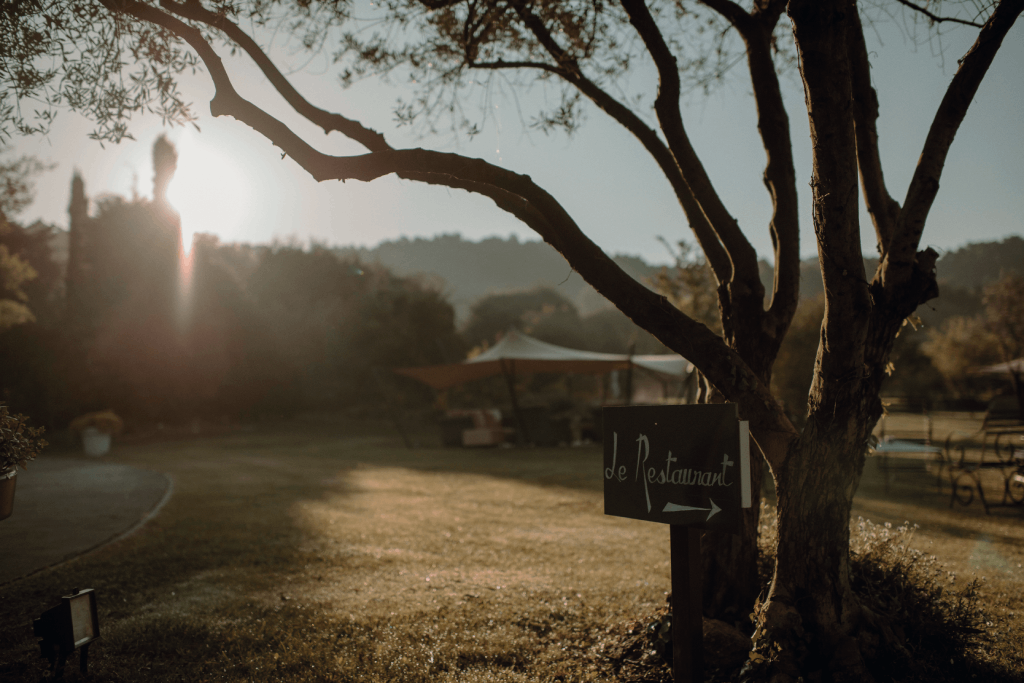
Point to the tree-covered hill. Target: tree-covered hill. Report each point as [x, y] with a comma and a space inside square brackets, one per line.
[472, 270]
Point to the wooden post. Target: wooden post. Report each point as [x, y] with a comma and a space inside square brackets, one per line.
[687, 605]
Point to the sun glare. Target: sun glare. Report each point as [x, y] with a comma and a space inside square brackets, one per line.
[209, 190]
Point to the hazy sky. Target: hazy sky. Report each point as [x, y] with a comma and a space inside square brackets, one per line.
[233, 183]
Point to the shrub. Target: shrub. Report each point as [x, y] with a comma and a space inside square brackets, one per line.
[924, 623]
[19, 443]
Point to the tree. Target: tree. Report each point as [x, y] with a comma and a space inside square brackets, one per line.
[994, 335]
[543, 313]
[16, 272]
[810, 620]
[1004, 312]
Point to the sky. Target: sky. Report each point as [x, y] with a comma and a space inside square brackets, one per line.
[232, 183]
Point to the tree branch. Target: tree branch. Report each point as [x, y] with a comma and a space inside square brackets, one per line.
[354, 130]
[502, 64]
[821, 34]
[746, 280]
[706, 236]
[936, 18]
[884, 210]
[733, 13]
[897, 267]
[779, 173]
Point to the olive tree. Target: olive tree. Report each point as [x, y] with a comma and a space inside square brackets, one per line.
[810, 621]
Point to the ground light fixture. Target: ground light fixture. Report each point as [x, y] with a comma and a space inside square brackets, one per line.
[71, 625]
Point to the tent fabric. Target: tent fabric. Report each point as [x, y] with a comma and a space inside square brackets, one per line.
[519, 353]
[1002, 368]
[665, 364]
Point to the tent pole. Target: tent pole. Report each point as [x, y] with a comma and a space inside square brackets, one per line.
[509, 371]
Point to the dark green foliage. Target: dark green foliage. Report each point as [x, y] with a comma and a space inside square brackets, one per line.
[32, 245]
[78, 55]
[542, 313]
[19, 443]
[923, 625]
[914, 378]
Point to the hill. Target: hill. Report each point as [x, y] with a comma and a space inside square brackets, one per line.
[472, 270]
[962, 274]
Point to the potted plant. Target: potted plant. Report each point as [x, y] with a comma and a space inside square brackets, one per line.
[96, 430]
[19, 443]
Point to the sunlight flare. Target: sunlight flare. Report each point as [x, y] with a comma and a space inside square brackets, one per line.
[209, 190]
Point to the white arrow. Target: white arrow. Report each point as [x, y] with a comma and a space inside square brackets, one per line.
[672, 507]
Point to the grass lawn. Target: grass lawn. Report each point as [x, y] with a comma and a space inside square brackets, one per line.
[315, 553]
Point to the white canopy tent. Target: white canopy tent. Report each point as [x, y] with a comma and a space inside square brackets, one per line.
[518, 353]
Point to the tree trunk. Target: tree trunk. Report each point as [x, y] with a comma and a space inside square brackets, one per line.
[809, 621]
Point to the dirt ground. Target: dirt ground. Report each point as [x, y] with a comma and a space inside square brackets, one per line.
[310, 553]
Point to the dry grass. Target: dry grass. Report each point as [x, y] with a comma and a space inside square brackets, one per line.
[313, 554]
[293, 557]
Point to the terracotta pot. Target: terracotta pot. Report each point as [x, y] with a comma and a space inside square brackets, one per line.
[8, 479]
[96, 443]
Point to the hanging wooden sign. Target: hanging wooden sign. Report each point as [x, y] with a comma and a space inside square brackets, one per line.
[687, 465]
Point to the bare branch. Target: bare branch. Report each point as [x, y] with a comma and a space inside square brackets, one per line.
[706, 236]
[883, 209]
[194, 11]
[779, 173]
[936, 18]
[736, 15]
[898, 264]
[741, 253]
[502, 64]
